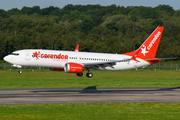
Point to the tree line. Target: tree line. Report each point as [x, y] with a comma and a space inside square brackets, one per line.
[107, 29]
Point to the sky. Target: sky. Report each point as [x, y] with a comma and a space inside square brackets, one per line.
[9, 4]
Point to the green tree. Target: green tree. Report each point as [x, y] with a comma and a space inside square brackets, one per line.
[2, 13]
[168, 9]
[96, 28]
[13, 11]
[27, 10]
[148, 12]
[87, 25]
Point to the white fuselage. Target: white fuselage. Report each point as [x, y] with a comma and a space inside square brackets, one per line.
[57, 59]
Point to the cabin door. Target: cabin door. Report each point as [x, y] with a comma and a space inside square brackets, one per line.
[27, 55]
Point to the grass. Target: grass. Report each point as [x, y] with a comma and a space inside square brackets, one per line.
[92, 111]
[101, 79]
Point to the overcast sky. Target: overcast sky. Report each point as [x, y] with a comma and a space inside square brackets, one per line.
[9, 4]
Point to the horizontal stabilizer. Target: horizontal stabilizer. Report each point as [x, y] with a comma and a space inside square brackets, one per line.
[155, 59]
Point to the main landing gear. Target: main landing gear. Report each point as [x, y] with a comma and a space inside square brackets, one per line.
[79, 74]
[89, 75]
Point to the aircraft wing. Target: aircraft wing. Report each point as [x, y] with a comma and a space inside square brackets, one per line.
[102, 65]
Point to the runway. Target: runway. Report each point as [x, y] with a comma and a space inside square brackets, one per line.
[89, 95]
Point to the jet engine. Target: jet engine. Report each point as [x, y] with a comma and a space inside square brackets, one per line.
[73, 68]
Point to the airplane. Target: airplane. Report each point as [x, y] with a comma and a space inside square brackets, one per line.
[77, 62]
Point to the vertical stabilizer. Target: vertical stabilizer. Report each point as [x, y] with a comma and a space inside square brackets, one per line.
[149, 48]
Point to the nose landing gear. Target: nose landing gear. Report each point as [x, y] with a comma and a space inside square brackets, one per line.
[20, 71]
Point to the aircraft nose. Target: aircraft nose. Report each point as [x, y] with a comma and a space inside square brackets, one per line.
[6, 58]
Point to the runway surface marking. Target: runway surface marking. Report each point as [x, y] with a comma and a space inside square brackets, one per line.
[89, 95]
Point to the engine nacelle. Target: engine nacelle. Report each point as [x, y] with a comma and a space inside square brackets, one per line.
[73, 68]
[56, 69]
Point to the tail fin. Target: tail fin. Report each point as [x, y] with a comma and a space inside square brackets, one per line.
[149, 48]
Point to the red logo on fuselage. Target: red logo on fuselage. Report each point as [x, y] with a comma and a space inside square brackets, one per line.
[50, 56]
[36, 54]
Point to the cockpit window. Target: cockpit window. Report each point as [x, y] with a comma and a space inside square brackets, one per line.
[16, 54]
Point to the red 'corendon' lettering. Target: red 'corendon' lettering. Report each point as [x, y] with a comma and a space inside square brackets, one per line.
[42, 55]
[45, 56]
[55, 57]
[66, 56]
[62, 57]
[49, 56]
[59, 56]
[52, 56]
[154, 40]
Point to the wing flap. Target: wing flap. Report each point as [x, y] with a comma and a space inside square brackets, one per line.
[102, 65]
[107, 62]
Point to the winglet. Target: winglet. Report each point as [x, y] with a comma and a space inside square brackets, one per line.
[77, 48]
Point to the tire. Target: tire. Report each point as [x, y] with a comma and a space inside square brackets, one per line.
[79, 74]
[89, 75]
[20, 72]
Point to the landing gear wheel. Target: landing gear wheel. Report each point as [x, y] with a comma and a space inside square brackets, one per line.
[20, 71]
[79, 74]
[89, 75]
